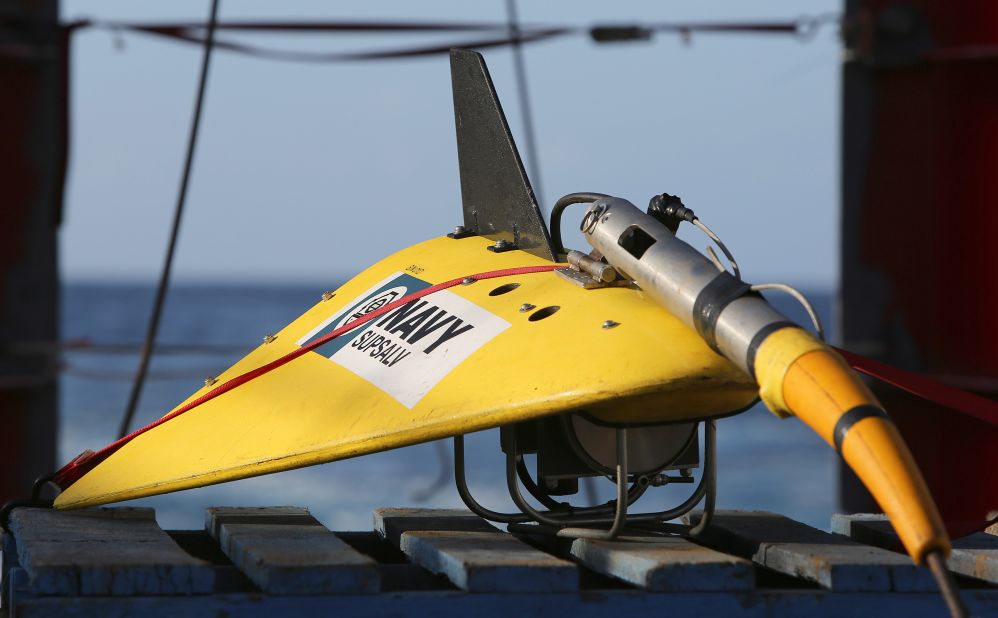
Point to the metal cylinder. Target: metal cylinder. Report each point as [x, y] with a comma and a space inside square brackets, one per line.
[679, 277]
[598, 270]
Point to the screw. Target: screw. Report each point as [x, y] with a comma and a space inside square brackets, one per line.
[610, 324]
[468, 280]
[269, 338]
[686, 472]
[210, 381]
[459, 229]
[525, 307]
[502, 244]
[328, 295]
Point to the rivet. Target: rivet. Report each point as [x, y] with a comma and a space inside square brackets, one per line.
[468, 280]
[210, 381]
[269, 338]
[525, 307]
[610, 324]
[328, 295]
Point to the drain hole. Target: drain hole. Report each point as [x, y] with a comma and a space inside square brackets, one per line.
[503, 289]
[540, 314]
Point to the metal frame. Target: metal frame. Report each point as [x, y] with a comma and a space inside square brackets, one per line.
[599, 522]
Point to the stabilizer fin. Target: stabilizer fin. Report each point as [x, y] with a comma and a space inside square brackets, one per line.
[495, 192]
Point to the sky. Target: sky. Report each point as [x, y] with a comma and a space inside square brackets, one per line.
[308, 173]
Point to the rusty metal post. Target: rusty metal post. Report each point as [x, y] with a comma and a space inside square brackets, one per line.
[32, 164]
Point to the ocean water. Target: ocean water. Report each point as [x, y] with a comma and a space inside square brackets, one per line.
[764, 463]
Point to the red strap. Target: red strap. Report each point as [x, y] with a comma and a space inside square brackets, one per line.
[926, 388]
[85, 462]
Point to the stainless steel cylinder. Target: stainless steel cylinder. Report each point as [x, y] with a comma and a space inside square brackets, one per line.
[679, 277]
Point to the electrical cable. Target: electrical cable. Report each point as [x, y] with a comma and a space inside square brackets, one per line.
[710, 234]
[164, 279]
[582, 197]
[381, 54]
[934, 560]
[803, 28]
[800, 298]
[947, 584]
[687, 214]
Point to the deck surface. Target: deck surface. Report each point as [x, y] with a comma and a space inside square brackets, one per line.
[421, 562]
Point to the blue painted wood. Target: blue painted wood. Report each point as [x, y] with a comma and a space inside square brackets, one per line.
[473, 555]
[442, 542]
[616, 604]
[793, 548]
[284, 550]
[665, 564]
[391, 522]
[118, 551]
[975, 555]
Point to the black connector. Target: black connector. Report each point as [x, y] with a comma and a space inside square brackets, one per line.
[669, 210]
[618, 34]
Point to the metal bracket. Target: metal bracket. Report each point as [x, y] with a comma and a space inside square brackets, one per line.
[587, 281]
[602, 521]
[502, 246]
[461, 232]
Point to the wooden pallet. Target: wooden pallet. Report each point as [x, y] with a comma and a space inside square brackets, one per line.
[417, 562]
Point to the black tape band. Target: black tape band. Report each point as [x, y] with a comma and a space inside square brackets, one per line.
[711, 301]
[853, 416]
[757, 340]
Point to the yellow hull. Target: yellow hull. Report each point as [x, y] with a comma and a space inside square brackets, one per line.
[466, 360]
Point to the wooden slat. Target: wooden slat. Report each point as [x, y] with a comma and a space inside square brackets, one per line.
[665, 564]
[284, 550]
[390, 523]
[793, 548]
[975, 555]
[473, 555]
[109, 551]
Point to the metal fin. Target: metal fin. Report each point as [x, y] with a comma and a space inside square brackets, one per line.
[495, 192]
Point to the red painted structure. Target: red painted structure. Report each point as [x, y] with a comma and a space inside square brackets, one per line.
[920, 227]
[32, 164]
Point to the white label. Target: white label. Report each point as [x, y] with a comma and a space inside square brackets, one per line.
[409, 350]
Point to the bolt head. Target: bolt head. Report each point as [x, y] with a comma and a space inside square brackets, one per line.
[610, 324]
[525, 307]
[327, 295]
[269, 338]
[210, 381]
[468, 280]
[502, 244]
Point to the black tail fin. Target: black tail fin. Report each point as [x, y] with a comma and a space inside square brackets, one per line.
[495, 193]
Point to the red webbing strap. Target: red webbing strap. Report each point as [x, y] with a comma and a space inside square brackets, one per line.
[926, 388]
[85, 462]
